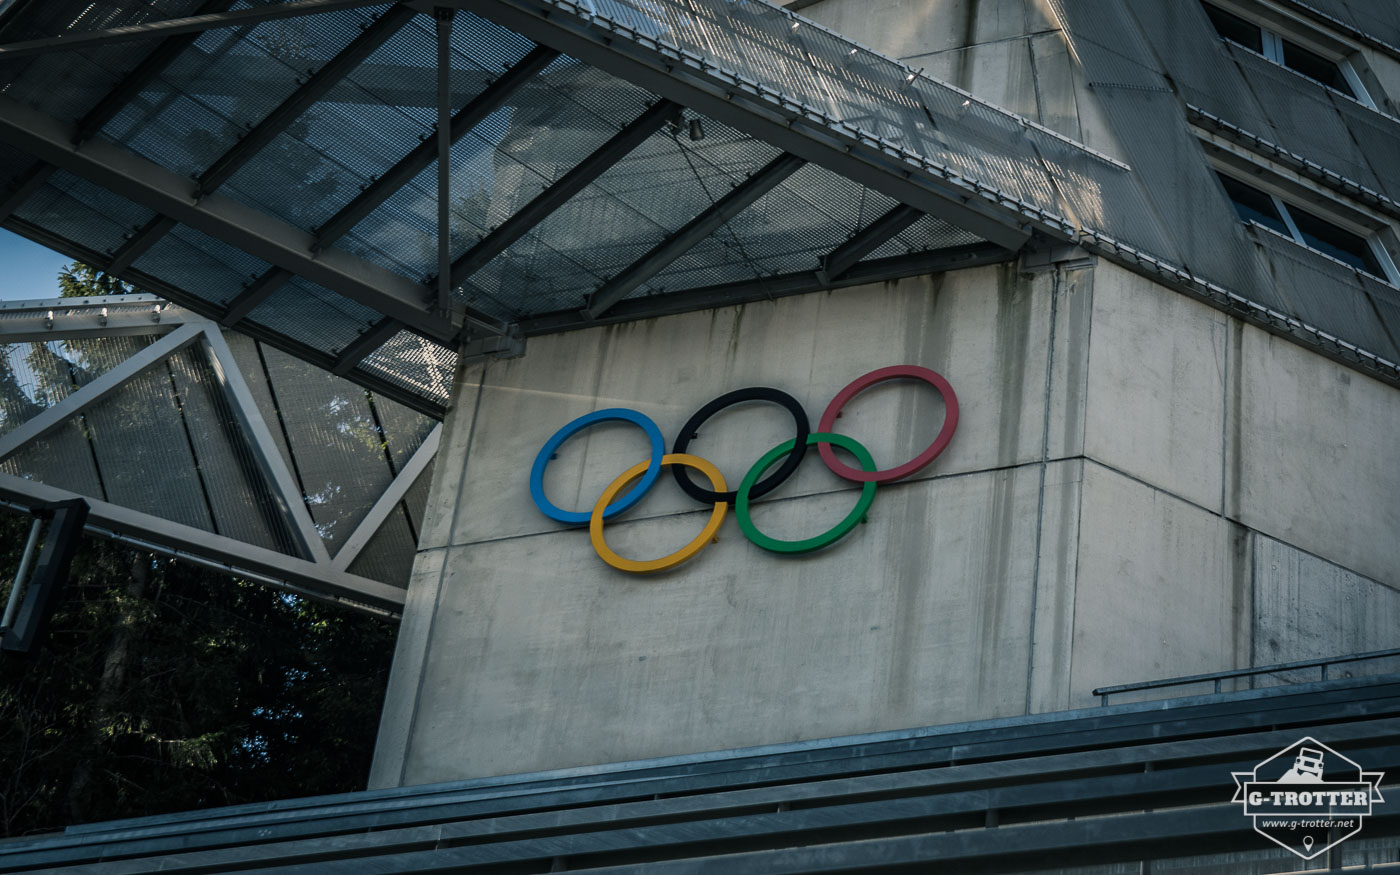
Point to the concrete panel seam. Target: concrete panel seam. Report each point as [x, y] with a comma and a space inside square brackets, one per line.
[1056, 285]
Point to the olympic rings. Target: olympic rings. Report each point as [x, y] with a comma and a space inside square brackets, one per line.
[831, 535]
[889, 475]
[753, 483]
[611, 414]
[595, 522]
[739, 396]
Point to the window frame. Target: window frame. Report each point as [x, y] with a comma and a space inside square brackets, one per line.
[1275, 27]
[1289, 191]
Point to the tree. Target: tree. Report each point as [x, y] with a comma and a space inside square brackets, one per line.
[167, 686]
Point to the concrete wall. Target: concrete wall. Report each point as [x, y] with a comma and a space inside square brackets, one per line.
[1139, 487]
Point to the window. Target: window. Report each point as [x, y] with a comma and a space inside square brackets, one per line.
[1336, 74]
[1364, 253]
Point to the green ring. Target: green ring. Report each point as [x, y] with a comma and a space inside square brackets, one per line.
[830, 536]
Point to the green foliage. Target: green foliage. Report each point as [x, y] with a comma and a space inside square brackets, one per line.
[166, 686]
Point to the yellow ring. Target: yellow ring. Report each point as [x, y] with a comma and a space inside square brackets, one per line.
[595, 522]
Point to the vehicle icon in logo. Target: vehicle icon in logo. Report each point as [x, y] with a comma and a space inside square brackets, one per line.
[1307, 797]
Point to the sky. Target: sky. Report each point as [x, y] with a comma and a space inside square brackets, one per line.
[27, 270]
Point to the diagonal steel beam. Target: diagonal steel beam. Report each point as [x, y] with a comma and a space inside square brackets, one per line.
[274, 123]
[568, 185]
[237, 224]
[53, 417]
[259, 439]
[424, 154]
[492, 98]
[176, 26]
[33, 180]
[867, 240]
[390, 499]
[258, 291]
[141, 76]
[354, 352]
[697, 229]
[313, 89]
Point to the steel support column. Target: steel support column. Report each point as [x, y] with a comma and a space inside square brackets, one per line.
[697, 229]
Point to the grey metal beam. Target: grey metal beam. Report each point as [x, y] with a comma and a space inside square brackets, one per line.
[568, 185]
[141, 76]
[224, 218]
[388, 500]
[840, 150]
[867, 240]
[442, 20]
[176, 26]
[697, 229]
[258, 291]
[136, 246]
[76, 318]
[53, 417]
[371, 339]
[492, 98]
[235, 556]
[259, 440]
[33, 180]
[274, 123]
[298, 102]
[768, 288]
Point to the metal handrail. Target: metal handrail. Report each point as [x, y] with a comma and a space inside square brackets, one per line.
[1104, 692]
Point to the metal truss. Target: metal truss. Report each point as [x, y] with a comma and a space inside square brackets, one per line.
[313, 571]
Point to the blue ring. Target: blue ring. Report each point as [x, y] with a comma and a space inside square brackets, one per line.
[611, 414]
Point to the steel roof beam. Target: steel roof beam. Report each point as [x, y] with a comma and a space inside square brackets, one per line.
[237, 224]
[141, 76]
[814, 139]
[33, 180]
[176, 26]
[552, 198]
[867, 240]
[371, 339]
[675, 245]
[769, 288]
[248, 300]
[274, 123]
[492, 98]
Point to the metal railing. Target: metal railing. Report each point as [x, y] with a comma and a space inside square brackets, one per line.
[1217, 676]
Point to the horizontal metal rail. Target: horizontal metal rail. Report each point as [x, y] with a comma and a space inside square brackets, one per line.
[1217, 676]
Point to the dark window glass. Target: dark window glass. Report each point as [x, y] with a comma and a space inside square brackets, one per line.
[1341, 245]
[1314, 66]
[1232, 27]
[1253, 205]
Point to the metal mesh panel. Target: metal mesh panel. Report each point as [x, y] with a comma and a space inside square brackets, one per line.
[314, 315]
[370, 120]
[1303, 116]
[1325, 293]
[547, 127]
[1201, 69]
[36, 376]
[248, 358]
[143, 452]
[416, 500]
[416, 364]
[14, 167]
[62, 459]
[338, 449]
[930, 232]
[200, 264]
[226, 82]
[1376, 137]
[404, 429]
[388, 555]
[242, 505]
[75, 208]
[1385, 298]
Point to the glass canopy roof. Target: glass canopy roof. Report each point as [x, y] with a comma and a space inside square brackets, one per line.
[275, 166]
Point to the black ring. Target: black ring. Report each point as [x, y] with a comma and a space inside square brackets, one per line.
[728, 399]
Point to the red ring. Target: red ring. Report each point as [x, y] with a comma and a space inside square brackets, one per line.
[889, 475]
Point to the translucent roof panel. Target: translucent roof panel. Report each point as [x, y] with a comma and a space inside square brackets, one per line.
[373, 118]
[79, 210]
[226, 83]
